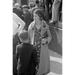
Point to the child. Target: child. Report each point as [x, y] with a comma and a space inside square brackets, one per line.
[24, 53]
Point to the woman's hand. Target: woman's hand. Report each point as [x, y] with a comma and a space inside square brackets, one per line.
[44, 41]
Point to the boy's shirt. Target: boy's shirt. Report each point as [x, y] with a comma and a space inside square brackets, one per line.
[24, 52]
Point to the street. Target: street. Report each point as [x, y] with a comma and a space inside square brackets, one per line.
[55, 63]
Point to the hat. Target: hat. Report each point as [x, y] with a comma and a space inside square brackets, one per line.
[17, 4]
[25, 6]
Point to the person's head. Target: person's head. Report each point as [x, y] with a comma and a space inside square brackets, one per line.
[37, 2]
[17, 5]
[31, 5]
[38, 15]
[23, 36]
[13, 3]
[25, 8]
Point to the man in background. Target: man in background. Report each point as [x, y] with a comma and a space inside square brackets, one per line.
[17, 10]
[27, 17]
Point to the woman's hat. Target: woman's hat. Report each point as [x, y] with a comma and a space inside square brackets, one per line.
[25, 6]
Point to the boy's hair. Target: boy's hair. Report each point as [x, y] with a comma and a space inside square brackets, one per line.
[23, 36]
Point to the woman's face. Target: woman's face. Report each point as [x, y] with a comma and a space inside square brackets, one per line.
[37, 18]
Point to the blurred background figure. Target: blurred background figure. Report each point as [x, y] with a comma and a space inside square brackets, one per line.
[27, 17]
[17, 10]
[36, 6]
[49, 5]
[55, 10]
[18, 24]
[31, 5]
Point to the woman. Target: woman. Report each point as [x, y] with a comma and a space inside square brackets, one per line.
[40, 37]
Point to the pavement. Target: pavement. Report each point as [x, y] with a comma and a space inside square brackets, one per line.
[56, 41]
[55, 63]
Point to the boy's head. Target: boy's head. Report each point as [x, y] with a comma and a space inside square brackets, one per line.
[23, 36]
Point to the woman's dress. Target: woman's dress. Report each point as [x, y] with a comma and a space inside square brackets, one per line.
[43, 63]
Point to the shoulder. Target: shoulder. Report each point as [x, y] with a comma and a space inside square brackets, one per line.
[31, 26]
[45, 25]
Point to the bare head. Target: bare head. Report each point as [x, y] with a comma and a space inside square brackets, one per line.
[23, 36]
[17, 5]
[37, 2]
[25, 8]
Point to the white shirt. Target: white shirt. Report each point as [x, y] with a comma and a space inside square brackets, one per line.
[31, 32]
[18, 24]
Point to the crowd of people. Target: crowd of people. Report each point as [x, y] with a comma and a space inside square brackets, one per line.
[31, 36]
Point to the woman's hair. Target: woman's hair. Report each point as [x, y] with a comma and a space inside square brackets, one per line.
[23, 36]
[40, 13]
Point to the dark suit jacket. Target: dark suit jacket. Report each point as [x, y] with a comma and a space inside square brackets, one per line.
[24, 52]
[18, 12]
[27, 19]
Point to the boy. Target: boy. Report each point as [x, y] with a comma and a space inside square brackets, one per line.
[24, 55]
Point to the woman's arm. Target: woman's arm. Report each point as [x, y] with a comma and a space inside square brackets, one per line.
[48, 34]
[31, 32]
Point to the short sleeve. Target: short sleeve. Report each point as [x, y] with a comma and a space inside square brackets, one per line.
[31, 26]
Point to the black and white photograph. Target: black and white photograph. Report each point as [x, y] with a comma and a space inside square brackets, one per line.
[37, 37]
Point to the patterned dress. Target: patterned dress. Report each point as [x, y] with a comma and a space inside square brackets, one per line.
[42, 58]
[44, 64]
[37, 45]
